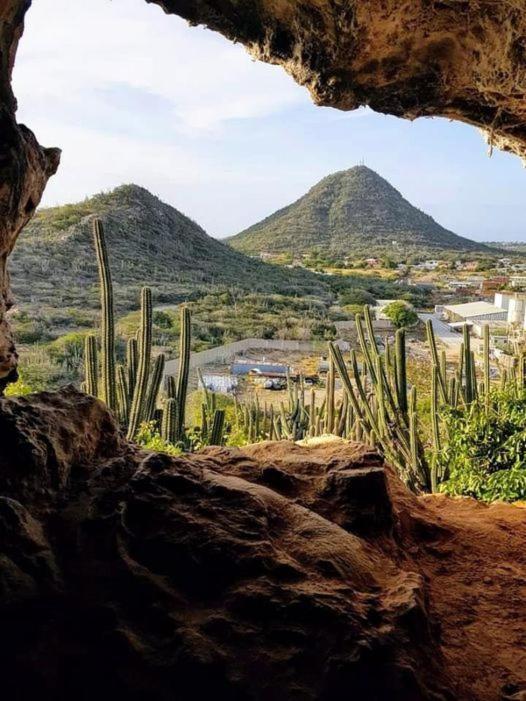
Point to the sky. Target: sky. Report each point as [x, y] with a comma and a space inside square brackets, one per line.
[133, 95]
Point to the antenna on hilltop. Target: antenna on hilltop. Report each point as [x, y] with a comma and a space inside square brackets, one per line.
[362, 162]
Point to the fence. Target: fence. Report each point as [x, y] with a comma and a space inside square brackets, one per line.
[226, 353]
[350, 325]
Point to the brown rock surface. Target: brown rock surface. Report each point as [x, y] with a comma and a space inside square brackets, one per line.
[461, 59]
[276, 572]
[25, 168]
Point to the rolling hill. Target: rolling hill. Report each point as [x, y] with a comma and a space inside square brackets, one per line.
[150, 243]
[352, 212]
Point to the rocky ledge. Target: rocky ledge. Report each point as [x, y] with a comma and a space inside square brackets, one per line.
[276, 572]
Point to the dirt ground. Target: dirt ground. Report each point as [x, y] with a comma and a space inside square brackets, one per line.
[477, 581]
[473, 560]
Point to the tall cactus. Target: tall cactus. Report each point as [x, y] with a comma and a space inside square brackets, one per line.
[154, 387]
[171, 387]
[91, 366]
[435, 430]
[469, 387]
[330, 389]
[487, 388]
[185, 343]
[401, 371]
[435, 359]
[137, 411]
[216, 434]
[108, 384]
[132, 361]
[123, 395]
[170, 422]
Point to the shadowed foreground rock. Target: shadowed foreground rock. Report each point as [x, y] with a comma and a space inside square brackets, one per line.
[279, 572]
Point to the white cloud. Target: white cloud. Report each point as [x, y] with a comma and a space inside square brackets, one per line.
[72, 50]
[133, 95]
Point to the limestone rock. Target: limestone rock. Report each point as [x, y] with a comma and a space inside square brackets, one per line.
[24, 171]
[274, 572]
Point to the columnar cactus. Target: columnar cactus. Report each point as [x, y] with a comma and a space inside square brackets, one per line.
[154, 387]
[216, 434]
[108, 384]
[184, 367]
[123, 395]
[138, 406]
[435, 429]
[91, 366]
[331, 378]
[469, 388]
[401, 371]
[435, 359]
[170, 422]
[132, 361]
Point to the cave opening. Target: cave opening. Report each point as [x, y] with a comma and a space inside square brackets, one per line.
[279, 570]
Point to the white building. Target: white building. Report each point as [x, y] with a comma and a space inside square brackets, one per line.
[496, 328]
[515, 305]
[502, 299]
[516, 310]
[475, 311]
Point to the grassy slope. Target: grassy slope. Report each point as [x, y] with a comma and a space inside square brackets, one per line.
[350, 212]
[150, 243]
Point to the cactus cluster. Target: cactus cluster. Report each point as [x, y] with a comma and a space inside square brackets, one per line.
[377, 406]
[380, 407]
[299, 417]
[133, 389]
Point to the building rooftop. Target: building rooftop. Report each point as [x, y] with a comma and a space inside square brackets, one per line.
[258, 368]
[472, 309]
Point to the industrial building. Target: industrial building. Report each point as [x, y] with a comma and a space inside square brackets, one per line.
[475, 311]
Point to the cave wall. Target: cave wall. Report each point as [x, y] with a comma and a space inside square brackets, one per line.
[25, 167]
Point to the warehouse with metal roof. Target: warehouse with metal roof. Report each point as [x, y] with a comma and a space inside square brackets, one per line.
[475, 311]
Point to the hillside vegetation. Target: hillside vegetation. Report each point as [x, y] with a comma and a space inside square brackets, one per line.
[350, 213]
[232, 296]
[151, 243]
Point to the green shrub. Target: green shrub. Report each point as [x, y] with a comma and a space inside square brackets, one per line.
[163, 320]
[31, 331]
[149, 438]
[19, 388]
[486, 454]
[68, 350]
[400, 314]
[357, 295]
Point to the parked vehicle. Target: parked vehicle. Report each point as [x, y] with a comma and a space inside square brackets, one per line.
[275, 383]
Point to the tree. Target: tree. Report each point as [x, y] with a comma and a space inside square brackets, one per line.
[400, 314]
[357, 295]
